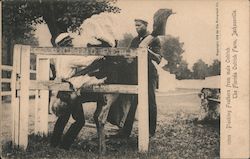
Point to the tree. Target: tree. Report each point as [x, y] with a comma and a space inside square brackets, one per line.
[182, 71]
[215, 69]
[172, 50]
[200, 69]
[16, 29]
[19, 17]
[125, 42]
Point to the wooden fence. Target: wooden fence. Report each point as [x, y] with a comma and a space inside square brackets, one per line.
[21, 85]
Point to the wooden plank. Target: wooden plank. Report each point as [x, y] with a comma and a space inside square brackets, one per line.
[35, 92]
[114, 88]
[32, 93]
[37, 99]
[1, 108]
[6, 67]
[6, 80]
[36, 117]
[24, 96]
[49, 85]
[84, 51]
[6, 93]
[33, 71]
[14, 98]
[143, 117]
[41, 124]
[63, 86]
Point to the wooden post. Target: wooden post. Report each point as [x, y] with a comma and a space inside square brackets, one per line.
[14, 97]
[41, 124]
[143, 118]
[36, 117]
[37, 96]
[24, 96]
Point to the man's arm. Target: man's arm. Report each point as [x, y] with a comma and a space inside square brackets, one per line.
[155, 50]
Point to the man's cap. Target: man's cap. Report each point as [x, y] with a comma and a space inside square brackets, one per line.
[62, 38]
[141, 19]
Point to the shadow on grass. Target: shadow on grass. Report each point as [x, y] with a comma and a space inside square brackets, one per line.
[178, 137]
[39, 147]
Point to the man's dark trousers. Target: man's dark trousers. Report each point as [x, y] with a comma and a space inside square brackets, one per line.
[76, 110]
[126, 130]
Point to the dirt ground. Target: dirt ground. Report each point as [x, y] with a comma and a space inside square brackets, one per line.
[177, 135]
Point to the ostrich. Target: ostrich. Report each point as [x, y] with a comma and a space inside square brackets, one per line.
[97, 32]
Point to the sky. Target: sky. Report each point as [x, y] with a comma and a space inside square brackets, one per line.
[194, 24]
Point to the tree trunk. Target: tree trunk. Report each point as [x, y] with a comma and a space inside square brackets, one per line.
[50, 18]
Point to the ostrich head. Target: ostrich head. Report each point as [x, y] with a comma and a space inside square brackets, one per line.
[160, 20]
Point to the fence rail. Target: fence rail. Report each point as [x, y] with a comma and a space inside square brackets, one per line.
[6, 67]
[6, 93]
[6, 80]
[21, 83]
[62, 86]
[9, 80]
[80, 51]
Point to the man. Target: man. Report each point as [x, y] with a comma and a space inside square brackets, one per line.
[68, 108]
[79, 71]
[67, 104]
[130, 73]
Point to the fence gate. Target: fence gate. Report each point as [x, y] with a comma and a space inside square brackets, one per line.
[21, 85]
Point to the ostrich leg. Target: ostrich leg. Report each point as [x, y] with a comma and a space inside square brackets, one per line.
[100, 118]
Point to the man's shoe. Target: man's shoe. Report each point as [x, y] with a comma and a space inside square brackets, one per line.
[65, 147]
[151, 135]
[119, 135]
[54, 143]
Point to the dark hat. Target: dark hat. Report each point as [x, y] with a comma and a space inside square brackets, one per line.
[143, 20]
[63, 39]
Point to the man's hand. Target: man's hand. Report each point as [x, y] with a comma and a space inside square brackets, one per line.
[59, 107]
[129, 59]
[156, 57]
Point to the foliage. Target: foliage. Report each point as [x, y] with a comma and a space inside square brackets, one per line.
[182, 71]
[16, 20]
[125, 42]
[63, 15]
[200, 69]
[172, 50]
[20, 17]
[214, 69]
[17, 28]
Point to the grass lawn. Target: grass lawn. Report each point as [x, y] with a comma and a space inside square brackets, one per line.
[177, 135]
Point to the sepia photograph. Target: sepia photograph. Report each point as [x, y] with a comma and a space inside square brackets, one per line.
[108, 79]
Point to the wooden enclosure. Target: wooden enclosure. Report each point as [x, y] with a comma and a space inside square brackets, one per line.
[21, 85]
